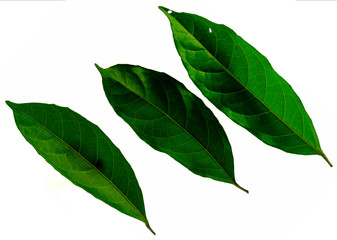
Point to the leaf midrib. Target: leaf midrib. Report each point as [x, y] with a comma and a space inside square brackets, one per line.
[302, 138]
[85, 160]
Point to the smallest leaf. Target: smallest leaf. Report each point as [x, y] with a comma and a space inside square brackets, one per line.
[81, 152]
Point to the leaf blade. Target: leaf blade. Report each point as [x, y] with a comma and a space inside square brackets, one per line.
[168, 117]
[241, 82]
[82, 153]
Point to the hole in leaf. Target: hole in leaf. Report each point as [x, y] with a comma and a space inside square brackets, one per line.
[169, 11]
[210, 30]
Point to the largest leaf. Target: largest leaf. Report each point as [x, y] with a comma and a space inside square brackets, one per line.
[170, 119]
[241, 82]
[81, 152]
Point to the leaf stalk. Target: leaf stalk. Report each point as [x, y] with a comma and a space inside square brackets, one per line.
[148, 226]
[239, 187]
[326, 159]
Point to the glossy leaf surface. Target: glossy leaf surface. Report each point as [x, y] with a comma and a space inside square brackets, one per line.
[170, 119]
[81, 152]
[241, 82]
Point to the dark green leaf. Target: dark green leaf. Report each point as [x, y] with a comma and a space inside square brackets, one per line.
[241, 82]
[170, 119]
[81, 152]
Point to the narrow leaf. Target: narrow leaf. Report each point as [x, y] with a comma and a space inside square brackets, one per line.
[241, 82]
[170, 119]
[81, 152]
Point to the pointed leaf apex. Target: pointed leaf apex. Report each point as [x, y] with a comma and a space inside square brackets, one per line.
[164, 9]
[101, 70]
[98, 67]
[10, 104]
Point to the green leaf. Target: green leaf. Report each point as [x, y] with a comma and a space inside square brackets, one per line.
[241, 82]
[81, 152]
[170, 119]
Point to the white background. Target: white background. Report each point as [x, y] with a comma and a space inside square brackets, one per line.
[47, 54]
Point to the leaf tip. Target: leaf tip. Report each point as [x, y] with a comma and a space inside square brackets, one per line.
[98, 67]
[162, 8]
[9, 103]
[101, 70]
[165, 10]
